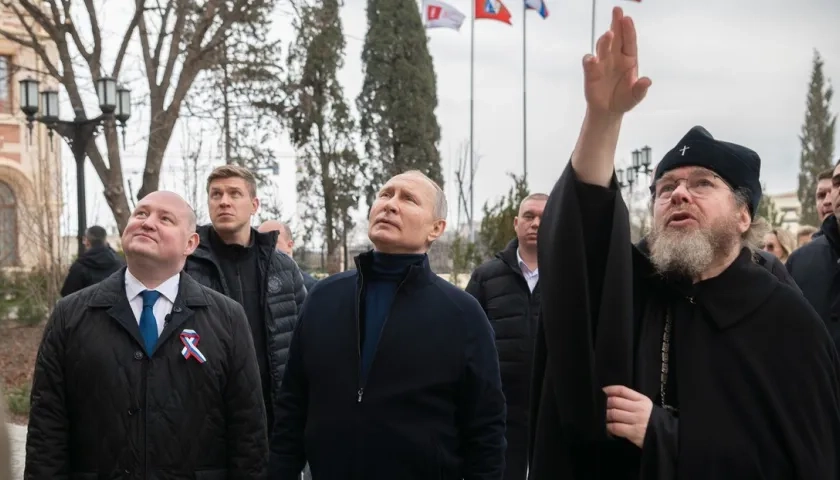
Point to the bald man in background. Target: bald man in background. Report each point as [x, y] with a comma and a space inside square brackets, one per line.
[286, 244]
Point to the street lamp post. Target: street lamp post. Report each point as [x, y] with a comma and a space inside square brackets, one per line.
[640, 163]
[115, 104]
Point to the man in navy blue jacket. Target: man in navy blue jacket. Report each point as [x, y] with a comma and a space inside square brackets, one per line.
[393, 371]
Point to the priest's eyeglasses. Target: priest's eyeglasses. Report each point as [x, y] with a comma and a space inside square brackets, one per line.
[698, 184]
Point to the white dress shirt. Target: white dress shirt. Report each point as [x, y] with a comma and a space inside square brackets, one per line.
[163, 307]
[531, 276]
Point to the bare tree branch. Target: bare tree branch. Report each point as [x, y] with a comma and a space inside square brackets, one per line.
[74, 33]
[164, 19]
[95, 60]
[138, 12]
[34, 43]
[174, 44]
[151, 67]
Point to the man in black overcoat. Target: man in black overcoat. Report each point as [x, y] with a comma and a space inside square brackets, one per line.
[147, 374]
[686, 359]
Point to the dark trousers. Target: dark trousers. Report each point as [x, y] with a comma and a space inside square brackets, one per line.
[516, 454]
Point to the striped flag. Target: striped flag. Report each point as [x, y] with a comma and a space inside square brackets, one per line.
[538, 6]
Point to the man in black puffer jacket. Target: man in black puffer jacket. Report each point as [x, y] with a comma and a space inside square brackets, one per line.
[147, 374]
[507, 287]
[235, 259]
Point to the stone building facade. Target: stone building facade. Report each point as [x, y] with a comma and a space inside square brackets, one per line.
[30, 170]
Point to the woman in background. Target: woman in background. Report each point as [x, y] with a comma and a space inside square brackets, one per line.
[780, 243]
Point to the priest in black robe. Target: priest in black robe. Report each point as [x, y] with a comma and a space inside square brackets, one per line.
[683, 359]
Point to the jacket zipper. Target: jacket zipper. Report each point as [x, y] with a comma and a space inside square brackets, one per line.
[361, 391]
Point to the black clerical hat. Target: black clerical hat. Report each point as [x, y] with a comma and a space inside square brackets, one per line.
[738, 165]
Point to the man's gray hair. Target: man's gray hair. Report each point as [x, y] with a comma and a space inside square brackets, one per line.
[441, 207]
[533, 196]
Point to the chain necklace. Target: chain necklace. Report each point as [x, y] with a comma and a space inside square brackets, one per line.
[663, 374]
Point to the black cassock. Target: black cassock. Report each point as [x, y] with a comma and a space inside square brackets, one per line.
[753, 379]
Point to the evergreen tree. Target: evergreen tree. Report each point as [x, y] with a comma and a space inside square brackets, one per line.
[497, 224]
[321, 127]
[768, 211]
[817, 141]
[399, 95]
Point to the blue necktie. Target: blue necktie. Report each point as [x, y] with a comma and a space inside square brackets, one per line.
[148, 323]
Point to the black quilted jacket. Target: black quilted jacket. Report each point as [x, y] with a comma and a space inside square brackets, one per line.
[503, 293]
[103, 409]
[284, 289]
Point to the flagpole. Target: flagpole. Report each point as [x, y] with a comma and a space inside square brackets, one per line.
[524, 99]
[472, 110]
[592, 40]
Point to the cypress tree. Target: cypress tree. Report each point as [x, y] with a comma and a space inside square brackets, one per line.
[399, 95]
[817, 141]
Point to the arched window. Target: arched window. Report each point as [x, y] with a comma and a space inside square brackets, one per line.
[8, 227]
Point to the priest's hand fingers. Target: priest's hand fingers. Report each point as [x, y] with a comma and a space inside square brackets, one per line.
[629, 45]
[627, 431]
[616, 415]
[623, 392]
[620, 403]
[617, 27]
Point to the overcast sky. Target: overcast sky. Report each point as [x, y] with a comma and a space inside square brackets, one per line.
[741, 69]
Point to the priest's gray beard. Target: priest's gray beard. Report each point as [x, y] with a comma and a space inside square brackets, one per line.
[690, 252]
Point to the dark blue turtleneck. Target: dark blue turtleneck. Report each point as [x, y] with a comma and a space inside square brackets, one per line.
[381, 282]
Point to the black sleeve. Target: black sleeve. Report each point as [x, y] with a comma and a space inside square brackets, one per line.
[596, 212]
[659, 449]
[537, 379]
[47, 440]
[586, 263]
[482, 406]
[475, 287]
[75, 281]
[247, 434]
[300, 288]
[287, 456]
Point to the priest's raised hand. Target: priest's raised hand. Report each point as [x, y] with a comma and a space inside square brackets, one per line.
[612, 87]
[611, 79]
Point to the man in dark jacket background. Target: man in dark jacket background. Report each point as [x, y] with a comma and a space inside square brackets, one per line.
[286, 244]
[148, 374]
[815, 266]
[95, 264]
[393, 373]
[507, 287]
[235, 259]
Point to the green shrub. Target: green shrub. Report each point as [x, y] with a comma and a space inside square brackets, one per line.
[17, 400]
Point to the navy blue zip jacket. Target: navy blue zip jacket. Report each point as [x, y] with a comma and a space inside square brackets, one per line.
[431, 405]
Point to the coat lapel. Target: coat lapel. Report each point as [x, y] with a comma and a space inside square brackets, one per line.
[111, 295]
[189, 297]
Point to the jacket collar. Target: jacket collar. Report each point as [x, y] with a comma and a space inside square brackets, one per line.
[729, 297]
[831, 232]
[508, 255]
[420, 274]
[265, 242]
[110, 294]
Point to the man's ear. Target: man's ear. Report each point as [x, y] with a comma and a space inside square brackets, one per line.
[192, 244]
[438, 227]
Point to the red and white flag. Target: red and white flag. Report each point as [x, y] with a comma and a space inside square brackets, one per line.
[492, 10]
[440, 14]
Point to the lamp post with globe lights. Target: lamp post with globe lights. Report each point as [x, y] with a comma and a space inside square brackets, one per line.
[641, 160]
[115, 104]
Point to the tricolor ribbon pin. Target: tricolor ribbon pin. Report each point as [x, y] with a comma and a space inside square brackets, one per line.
[190, 340]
